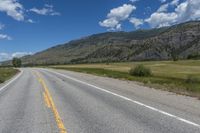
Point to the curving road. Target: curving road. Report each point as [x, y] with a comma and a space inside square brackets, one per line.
[57, 101]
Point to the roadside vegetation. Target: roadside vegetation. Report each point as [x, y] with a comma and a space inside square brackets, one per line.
[140, 71]
[16, 62]
[182, 77]
[7, 73]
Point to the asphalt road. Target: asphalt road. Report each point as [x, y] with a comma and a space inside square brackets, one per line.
[57, 101]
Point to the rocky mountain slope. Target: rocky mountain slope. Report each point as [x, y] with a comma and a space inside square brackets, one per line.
[178, 41]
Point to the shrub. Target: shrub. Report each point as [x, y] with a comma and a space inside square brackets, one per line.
[140, 71]
[191, 79]
[16, 62]
[194, 56]
[1, 80]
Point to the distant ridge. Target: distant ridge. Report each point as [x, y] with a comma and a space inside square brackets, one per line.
[182, 41]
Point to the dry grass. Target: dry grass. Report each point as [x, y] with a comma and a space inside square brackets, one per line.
[6, 73]
[168, 75]
[179, 69]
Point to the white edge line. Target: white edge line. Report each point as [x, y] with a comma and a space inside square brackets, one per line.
[128, 99]
[11, 81]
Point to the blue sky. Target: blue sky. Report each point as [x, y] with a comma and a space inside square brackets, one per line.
[29, 26]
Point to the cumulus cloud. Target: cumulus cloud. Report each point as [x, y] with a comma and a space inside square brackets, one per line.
[136, 22]
[163, 8]
[20, 54]
[160, 19]
[13, 9]
[111, 23]
[121, 13]
[46, 10]
[174, 2]
[116, 15]
[9, 56]
[16, 10]
[4, 56]
[133, 1]
[185, 11]
[5, 37]
[163, 1]
[30, 21]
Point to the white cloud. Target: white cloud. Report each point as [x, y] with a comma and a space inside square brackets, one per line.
[189, 10]
[30, 21]
[158, 19]
[16, 10]
[122, 12]
[8, 56]
[46, 10]
[12, 8]
[111, 23]
[20, 54]
[175, 2]
[116, 15]
[4, 56]
[136, 22]
[163, 1]
[5, 37]
[133, 1]
[163, 8]
[49, 6]
[185, 11]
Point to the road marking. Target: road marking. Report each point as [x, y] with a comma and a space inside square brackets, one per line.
[11, 81]
[49, 100]
[128, 99]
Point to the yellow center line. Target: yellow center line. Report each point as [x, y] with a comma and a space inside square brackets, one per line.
[50, 103]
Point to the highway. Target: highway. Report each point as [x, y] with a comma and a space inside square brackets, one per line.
[56, 101]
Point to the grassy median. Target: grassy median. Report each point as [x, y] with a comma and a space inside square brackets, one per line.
[7, 73]
[182, 77]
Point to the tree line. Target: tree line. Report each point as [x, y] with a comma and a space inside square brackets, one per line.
[16, 62]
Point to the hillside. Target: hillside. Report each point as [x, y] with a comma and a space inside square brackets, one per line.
[180, 41]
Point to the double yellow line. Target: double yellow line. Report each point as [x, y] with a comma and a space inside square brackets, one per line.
[50, 104]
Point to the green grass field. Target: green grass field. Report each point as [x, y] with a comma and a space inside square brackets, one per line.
[6, 73]
[180, 77]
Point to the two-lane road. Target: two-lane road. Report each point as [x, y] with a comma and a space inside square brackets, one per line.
[53, 101]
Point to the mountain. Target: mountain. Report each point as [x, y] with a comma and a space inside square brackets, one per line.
[178, 41]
